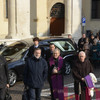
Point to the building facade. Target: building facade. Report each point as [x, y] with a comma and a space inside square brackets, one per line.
[26, 18]
[91, 10]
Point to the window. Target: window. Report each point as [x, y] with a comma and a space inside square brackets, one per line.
[13, 49]
[6, 8]
[64, 45]
[95, 9]
[57, 11]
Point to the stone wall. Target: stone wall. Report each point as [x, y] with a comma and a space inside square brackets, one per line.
[91, 24]
[3, 20]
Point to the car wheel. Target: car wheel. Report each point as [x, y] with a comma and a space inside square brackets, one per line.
[12, 77]
[67, 68]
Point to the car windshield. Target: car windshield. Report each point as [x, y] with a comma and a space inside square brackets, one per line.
[13, 49]
[64, 45]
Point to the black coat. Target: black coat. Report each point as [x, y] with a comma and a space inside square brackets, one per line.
[80, 70]
[4, 79]
[80, 45]
[48, 55]
[31, 51]
[35, 73]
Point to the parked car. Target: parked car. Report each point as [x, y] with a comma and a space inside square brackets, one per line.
[16, 53]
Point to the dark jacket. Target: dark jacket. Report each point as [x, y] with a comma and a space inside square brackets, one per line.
[35, 73]
[49, 53]
[80, 45]
[94, 54]
[3, 72]
[80, 70]
[92, 41]
[32, 48]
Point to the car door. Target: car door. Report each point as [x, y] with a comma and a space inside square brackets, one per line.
[20, 64]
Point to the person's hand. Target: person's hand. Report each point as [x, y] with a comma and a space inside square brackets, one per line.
[83, 79]
[7, 85]
[94, 50]
[55, 71]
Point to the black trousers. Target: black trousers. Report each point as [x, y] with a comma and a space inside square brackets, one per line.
[2, 93]
[34, 94]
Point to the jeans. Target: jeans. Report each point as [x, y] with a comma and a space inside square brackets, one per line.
[35, 94]
[2, 93]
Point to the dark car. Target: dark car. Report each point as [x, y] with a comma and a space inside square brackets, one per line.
[16, 53]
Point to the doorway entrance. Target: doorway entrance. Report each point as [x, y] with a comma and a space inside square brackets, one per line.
[57, 19]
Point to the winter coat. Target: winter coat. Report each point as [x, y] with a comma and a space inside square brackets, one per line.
[32, 48]
[94, 54]
[35, 73]
[80, 70]
[86, 48]
[49, 53]
[81, 43]
[4, 77]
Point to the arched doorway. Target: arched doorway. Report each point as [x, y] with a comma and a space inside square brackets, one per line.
[57, 19]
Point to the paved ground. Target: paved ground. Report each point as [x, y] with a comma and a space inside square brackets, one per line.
[17, 90]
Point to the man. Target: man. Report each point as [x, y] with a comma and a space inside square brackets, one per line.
[70, 37]
[49, 52]
[82, 67]
[81, 42]
[92, 39]
[4, 80]
[36, 45]
[35, 74]
[55, 71]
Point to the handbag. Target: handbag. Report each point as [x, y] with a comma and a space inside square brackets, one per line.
[8, 96]
[25, 95]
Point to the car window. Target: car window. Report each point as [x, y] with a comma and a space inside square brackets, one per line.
[45, 47]
[13, 49]
[64, 45]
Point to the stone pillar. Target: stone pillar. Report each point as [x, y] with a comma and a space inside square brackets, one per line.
[41, 17]
[18, 19]
[77, 18]
[68, 16]
[11, 19]
[23, 18]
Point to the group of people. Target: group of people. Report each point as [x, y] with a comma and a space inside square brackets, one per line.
[38, 69]
[91, 46]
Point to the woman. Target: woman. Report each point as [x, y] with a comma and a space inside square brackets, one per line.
[55, 70]
[86, 47]
[94, 52]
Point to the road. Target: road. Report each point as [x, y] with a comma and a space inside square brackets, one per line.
[17, 90]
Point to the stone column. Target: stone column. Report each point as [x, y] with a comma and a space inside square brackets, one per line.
[11, 19]
[68, 16]
[42, 18]
[23, 18]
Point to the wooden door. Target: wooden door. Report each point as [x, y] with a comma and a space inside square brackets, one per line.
[56, 26]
